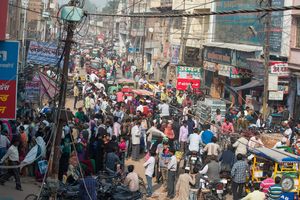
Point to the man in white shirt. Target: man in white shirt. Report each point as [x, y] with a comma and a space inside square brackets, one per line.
[194, 141]
[172, 168]
[164, 109]
[13, 159]
[132, 179]
[149, 165]
[135, 139]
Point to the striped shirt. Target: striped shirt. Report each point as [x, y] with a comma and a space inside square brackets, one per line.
[274, 192]
[265, 184]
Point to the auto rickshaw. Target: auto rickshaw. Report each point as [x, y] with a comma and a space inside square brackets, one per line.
[283, 164]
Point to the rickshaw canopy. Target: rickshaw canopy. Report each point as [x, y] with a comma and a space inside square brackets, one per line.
[127, 81]
[276, 155]
[142, 92]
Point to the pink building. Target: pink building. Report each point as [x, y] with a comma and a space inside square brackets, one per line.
[294, 61]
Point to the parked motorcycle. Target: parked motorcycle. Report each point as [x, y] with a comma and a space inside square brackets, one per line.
[214, 191]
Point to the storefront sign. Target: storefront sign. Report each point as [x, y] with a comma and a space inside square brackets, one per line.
[224, 70]
[175, 54]
[236, 73]
[209, 66]
[273, 82]
[276, 95]
[183, 83]
[218, 55]
[32, 91]
[9, 54]
[43, 53]
[280, 68]
[188, 75]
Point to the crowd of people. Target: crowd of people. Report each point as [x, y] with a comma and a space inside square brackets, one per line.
[107, 129]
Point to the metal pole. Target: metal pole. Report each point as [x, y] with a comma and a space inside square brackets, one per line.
[129, 32]
[266, 60]
[25, 4]
[55, 151]
[144, 40]
[182, 48]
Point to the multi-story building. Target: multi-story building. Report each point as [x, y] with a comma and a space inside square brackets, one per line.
[294, 63]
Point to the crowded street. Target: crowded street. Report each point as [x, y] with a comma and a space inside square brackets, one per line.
[133, 100]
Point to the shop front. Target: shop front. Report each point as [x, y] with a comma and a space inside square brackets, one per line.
[225, 69]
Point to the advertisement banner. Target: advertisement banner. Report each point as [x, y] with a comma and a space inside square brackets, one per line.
[209, 66]
[43, 53]
[280, 68]
[273, 82]
[175, 50]
[32, 91]
[9, 53]
[276, 95]
[188, 75]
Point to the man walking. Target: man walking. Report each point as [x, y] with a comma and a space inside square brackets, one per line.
[239, 175]
[172, 168]
[149, 165]
[13, 159]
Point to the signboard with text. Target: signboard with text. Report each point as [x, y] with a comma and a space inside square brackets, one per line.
[175, 54]
[9, 53]
[32, 91]
[280, 68]
[276, 95]
[188, 75]
[43, 53]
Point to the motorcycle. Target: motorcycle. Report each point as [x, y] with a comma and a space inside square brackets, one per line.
[193, 160]
[214, 191]
[226, 180]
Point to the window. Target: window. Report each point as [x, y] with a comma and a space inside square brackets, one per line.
[298, 32]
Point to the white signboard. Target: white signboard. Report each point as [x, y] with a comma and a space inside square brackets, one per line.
[276, 95]
[273, 82]
[224, 70]
[280, 68]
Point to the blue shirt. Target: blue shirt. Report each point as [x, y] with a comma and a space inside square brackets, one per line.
[112, 160]
[206, 136]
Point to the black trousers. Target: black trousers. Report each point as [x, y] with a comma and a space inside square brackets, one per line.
[75, 101]
[171, 183]
[237, 190]
[15, 172]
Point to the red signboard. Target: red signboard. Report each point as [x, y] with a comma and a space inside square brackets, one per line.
[182, 83]
[8, 90]
[3, 18]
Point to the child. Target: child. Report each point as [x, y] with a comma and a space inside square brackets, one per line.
[122, 150]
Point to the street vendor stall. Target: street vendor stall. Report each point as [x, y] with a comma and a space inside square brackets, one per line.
[282, 164]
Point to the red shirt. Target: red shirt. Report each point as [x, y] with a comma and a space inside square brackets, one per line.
[227, 128]
[146, 110]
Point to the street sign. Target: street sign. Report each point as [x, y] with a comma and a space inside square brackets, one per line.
[32, 91]
[9, 55]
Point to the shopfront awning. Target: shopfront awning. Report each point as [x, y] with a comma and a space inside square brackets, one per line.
[238, 47]
[253, 83]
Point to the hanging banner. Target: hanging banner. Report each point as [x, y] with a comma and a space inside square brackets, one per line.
[175, 50]
[9, 55]
[273, 82]
[43, 53]
[32, 91]
[187, 76]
